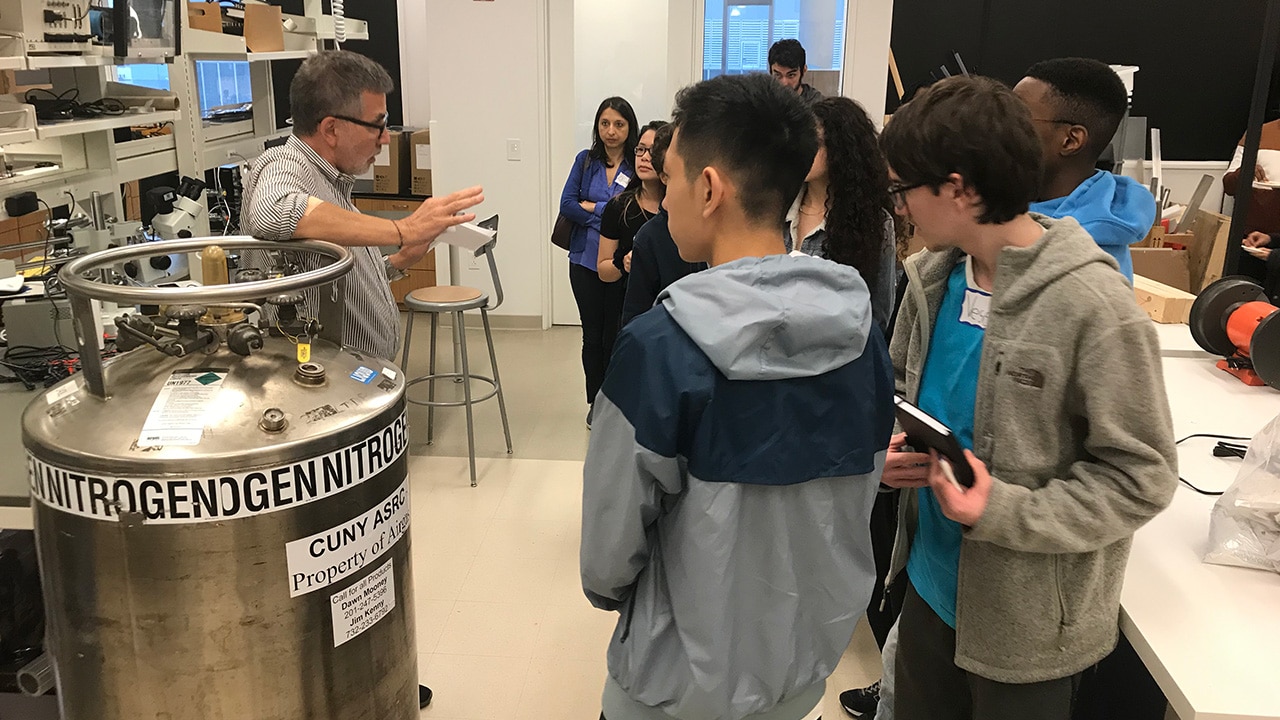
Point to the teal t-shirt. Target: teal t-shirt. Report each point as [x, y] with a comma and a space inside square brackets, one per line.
[948, 391]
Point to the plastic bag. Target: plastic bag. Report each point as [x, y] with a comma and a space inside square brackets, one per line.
[1244, 529]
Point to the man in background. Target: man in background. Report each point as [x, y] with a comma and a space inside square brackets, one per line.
[787, 66]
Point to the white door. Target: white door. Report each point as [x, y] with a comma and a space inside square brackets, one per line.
[602, 48]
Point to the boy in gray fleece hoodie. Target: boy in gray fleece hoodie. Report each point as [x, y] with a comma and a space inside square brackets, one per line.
[1018, 333]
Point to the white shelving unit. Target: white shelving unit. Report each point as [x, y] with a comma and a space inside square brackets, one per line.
[110, 122]
[89, 159]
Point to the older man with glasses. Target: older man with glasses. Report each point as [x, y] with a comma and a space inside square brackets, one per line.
[302, 190]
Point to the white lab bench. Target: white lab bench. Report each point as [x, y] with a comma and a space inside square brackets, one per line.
[1208, 634]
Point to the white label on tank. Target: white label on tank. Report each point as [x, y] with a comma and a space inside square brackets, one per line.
[235, 494]
[179, 414]
[61, 392]
[362, 605]
[320, 560]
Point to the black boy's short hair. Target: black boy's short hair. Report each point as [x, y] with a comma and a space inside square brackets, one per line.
[974, 126]
[1087, 92]
[788, 53]
[754, 130]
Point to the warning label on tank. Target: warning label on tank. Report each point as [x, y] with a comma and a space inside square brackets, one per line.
[179, 413]
[362, 605]
[342, 551]
[225, 497]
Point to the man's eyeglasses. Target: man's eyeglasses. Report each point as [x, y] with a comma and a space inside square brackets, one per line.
[1056, 121]
[898, 193]
[381, 127]
[641, 151]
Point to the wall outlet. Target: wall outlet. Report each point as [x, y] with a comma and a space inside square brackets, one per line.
[514, 148]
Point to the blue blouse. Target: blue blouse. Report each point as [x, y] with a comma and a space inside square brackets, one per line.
[588, 182]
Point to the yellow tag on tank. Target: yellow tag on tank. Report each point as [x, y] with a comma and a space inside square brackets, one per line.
[304, 349]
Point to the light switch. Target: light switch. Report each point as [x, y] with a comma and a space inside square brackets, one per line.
[513, 149]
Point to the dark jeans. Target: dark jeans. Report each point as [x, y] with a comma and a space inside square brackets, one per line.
[929, 686]
[600, 309]
[882, 611]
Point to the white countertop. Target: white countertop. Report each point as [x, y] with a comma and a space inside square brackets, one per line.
[1209, 634]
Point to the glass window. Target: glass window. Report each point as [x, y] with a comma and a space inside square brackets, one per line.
[222, 82]
[152, 76]
[737, 35]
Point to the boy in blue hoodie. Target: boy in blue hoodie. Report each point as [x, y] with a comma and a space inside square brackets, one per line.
[1076, 106]
[739, 438]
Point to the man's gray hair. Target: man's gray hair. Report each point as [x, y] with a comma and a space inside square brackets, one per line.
[330, 83]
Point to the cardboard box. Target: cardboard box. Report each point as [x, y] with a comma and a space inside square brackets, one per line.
[391, 167]
[263, 28]
[204, 16]
[1164, 265]
[420, 163]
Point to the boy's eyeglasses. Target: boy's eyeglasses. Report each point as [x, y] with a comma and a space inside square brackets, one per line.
[898, 192]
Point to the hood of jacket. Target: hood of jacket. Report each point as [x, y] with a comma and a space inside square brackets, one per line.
[775, 317]
[1115, 210]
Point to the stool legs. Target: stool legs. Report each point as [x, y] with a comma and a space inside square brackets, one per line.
[466, 390]
[431, 384]
[408, 339]
[497, 381]
[458, 337]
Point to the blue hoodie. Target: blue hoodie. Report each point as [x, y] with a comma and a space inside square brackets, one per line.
[1116, 210]
[736, 450]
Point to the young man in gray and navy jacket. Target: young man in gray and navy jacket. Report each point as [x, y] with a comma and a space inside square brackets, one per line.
[1018, 333]
[738, 440]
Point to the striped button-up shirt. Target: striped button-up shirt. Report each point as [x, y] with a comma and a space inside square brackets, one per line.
[276, 193]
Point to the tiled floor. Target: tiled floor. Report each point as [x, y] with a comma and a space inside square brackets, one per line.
[503, 628]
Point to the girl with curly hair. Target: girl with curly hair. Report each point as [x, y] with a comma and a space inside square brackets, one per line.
[844, 212]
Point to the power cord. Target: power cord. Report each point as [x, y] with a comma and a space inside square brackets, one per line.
[1222, 449]
[65, 106]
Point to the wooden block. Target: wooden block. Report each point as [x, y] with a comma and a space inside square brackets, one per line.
[1210, 230]
[1217, 254]
[1162, 303]
[1163, 265]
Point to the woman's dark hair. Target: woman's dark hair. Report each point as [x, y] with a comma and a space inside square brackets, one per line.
[973, 126]
[661, 141]
[623, 108]
[858, 200]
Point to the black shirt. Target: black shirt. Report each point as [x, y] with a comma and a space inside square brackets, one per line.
[621, 218]
[655, 264]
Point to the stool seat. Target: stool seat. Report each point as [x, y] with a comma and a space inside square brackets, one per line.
[445, 298]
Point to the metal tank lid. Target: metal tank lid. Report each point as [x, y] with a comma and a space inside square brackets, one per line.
[250, 411]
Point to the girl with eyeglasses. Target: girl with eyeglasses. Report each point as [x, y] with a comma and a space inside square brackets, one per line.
[598, 174]
[624, 214]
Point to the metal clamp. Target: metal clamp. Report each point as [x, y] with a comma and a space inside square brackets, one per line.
[81, 291]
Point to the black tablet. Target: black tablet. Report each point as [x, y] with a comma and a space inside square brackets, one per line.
[924, 432]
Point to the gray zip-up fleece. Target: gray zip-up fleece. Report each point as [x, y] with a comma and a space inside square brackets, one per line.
[1073, 422]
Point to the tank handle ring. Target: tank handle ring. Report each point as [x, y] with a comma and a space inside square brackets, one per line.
[81, 291]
